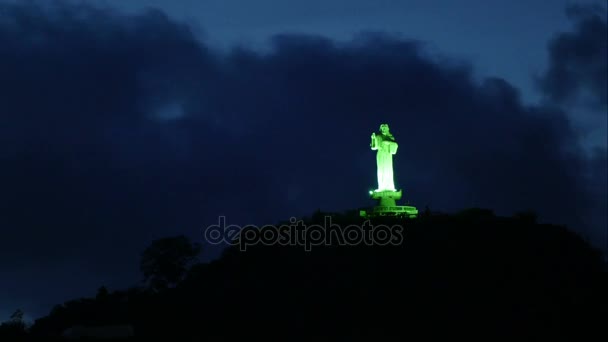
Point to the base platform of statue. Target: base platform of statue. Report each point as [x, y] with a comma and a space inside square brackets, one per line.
[386, 198]
[387, 205]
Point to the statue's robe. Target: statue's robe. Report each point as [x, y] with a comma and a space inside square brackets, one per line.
[386, 147]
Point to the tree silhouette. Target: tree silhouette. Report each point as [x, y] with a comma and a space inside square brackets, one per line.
[165, 262]
[102, 293]
[14, 329]
[17, 316]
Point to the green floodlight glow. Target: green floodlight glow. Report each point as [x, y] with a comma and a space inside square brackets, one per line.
[386, 146]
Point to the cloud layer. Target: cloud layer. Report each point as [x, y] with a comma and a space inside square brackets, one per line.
[578, 69]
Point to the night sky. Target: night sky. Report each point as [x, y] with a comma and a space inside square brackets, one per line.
[126, 121]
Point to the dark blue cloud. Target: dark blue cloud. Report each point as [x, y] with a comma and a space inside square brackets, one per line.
[119, 129]
[578, 63]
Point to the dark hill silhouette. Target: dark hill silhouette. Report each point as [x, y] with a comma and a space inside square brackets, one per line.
[471, 273]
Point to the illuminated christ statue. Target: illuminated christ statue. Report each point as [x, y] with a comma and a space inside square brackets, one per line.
[386, 146]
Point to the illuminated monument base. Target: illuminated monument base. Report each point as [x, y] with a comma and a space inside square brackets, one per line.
[386, 198]
[387, 205]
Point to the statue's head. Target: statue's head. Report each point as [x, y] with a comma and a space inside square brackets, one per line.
[384, 128]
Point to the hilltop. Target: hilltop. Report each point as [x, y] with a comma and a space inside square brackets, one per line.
[467, 273]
